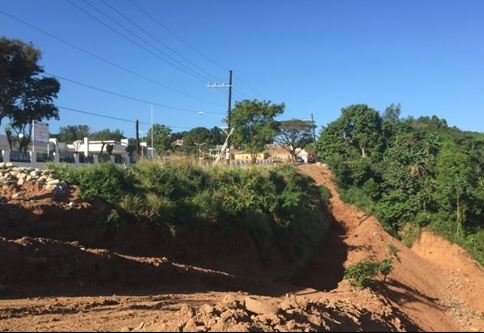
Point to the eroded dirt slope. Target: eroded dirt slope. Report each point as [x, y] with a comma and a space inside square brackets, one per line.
[51, 281]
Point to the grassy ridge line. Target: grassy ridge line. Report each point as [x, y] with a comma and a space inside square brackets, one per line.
[276, 206]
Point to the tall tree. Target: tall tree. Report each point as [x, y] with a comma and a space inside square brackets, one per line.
[194, 138]
[107, 135]
[24, 96]
[69, 134]
[161, 139]
[294, 135]
[254, 125]
[362, 128]
[217, 136]
[352, 144]
[456, 183]
[392, 113]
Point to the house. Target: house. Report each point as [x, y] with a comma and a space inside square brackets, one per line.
[242, 155]
[81, 151]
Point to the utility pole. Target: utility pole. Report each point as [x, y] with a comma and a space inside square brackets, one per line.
[314, 127]
[138, 148]
[152, 151]
[314, 136]
[223, 85]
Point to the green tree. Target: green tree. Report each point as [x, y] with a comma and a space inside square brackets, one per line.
[254, 125]
[194, 138]
[361, 129]
[392, 113]
[107, 135]
[363, 273]
[161, 139]
[110, 149]
[353, 144]
[131, 149]
[24, 95]
[217, 136]
[455, 184]
[69, 134]
[294, 135]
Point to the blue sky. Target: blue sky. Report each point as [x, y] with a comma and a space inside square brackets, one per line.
[315, 56]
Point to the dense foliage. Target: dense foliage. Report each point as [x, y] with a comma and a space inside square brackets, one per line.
[411, 173]
[254, 125]
[276, 206]
[294, 135]
[25, 95]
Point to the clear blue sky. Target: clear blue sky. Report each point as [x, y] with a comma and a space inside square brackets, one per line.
[315, 56]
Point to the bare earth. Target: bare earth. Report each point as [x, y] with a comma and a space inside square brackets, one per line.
[61, 271]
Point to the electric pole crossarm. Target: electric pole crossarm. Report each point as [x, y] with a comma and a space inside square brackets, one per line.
[215, 85]
[223, 85]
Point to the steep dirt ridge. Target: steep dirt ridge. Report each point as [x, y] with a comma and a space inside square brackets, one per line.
[54, 283]
[435, 284]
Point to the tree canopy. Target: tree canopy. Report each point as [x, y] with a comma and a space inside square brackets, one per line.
[294, 135]
[25, 96]
[161, 139]
[254, 125]
[71, 133]
[107, 135]
[411, 173]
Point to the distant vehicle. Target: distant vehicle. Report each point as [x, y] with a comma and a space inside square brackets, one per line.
[312, 157]
[299, 159]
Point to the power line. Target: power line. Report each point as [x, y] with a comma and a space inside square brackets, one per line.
[178, 37]
[121, 95]
[186, 43]
[132, 41]
[145, 41]
[113, 118]
[245, 84]
[105, 60]
[155, 38]
[100, 115]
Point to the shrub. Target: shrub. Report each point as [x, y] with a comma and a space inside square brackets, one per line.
[362, 273]
[105, 180]
[358, 197]
[325, 193]
[275, 207]
[392, 249]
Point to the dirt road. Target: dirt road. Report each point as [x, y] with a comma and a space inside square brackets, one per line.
[48, 283]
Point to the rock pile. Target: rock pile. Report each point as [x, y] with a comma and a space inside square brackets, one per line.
[14, 175]
[260, 314]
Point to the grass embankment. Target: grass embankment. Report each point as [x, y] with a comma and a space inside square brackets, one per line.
[276, 207]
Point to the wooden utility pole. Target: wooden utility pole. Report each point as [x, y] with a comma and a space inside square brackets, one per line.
[314, 127]
[223, 85]
[229, 114]
[137, 139]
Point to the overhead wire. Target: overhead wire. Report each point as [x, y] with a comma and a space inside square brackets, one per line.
[134, 42]
[236, 95]
[245, 84]
[158, 40]
[113, 118]
[175, 35]
[105, 60]
[121, 95]
[187, 44]
[236, 92]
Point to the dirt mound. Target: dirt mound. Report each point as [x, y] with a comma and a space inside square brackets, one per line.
[62, 270]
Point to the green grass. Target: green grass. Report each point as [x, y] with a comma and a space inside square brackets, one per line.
[276, 207]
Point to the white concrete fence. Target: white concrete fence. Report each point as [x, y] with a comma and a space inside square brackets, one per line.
[80, 153]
